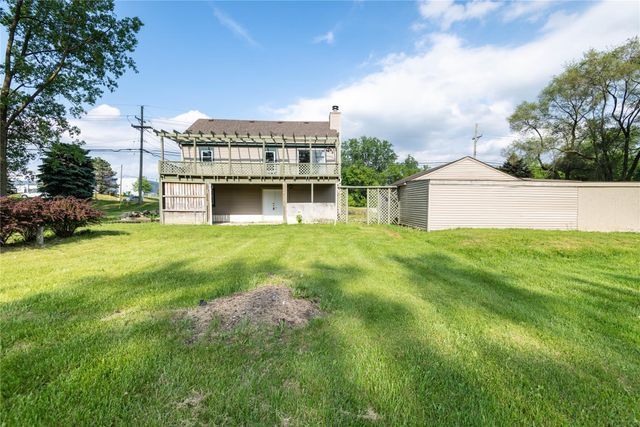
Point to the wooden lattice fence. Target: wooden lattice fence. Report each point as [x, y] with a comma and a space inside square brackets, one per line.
[382, 204]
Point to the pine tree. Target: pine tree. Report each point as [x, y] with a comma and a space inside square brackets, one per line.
[106, 182]
[67, 170]
[516, 166]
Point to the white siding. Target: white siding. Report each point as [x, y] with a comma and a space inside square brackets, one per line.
[508, 205]
[468, 169]
[413, 199]
[615, 208]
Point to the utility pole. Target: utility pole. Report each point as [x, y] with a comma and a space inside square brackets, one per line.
[475, 139]
[142, 127]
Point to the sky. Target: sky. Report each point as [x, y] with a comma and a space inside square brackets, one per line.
[419, 74]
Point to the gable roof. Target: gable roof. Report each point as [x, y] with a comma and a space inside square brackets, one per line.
[262, 127]
[437, 168]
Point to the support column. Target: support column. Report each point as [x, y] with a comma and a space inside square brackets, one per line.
[229, 147]
[162, 148]
[313, 207]
[284, 202]
[161, 200]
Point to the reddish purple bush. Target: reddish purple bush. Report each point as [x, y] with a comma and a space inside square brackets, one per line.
[63, 215]
[29, 214]
[7, 221]
[66, 214]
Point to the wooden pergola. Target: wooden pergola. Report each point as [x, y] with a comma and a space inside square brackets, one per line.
[247, 140]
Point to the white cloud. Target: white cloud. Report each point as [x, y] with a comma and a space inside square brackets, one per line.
[427, 103]
[532, 10]
[328, 38]
[446, 12]
[105, 127]
[237, 29]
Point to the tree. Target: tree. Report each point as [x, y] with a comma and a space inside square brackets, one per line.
[60, 56]
[368, 151]
[368, 161]
[584, 124]
[67, 170]
[400, 170]
[146, 185]
[106, 182]
[516, 166]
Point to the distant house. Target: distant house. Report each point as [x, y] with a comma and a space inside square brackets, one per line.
[468, 193]
[252, 171]
[27, 188]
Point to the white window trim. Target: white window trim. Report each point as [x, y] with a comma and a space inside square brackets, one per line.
[271, 150]
[206, 150]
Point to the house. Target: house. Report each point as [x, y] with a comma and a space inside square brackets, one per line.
[252, 171]
[468, 193]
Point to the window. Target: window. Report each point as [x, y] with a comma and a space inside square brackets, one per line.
[270, 155]
[303, 156]
[319, 156]
[206, 155]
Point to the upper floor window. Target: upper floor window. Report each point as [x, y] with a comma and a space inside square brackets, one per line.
[317, 155]
[206, 155]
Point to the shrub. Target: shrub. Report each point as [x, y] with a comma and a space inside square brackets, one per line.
[29, 215]
[7, 220]
[66, 214]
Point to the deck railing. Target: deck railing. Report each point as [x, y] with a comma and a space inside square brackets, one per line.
[249, 169]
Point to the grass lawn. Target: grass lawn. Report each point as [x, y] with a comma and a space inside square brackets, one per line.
[113, 207]
[459, 327]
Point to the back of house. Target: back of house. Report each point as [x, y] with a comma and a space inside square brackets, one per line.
[252, 171]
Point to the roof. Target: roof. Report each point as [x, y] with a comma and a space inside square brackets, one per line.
[432, 170]
[262, 127]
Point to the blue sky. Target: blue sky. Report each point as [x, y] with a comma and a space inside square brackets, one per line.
[419, 74]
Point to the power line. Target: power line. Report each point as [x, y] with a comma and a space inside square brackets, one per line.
[141, 127]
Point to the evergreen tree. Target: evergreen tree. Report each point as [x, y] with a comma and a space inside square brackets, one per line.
[67, 170]
[106, 182]
[516, 166]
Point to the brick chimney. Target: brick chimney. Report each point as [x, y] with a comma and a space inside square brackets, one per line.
[335, 119]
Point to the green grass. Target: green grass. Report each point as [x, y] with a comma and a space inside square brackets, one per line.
[113, 208]
[459, 327]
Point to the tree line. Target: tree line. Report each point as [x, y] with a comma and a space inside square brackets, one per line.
[368, 161]
[584, 123]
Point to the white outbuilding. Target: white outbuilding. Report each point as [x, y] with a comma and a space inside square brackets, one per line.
[468, 193]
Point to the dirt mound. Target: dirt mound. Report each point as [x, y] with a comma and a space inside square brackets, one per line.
[265, 306]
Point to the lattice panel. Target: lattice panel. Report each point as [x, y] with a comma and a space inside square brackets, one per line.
[394, 206]
[343, 205]
[382, 206]
[372, 205]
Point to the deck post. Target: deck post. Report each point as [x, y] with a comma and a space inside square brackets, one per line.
[162, 148]
[160, 200]
[388, 206]
[284, 202]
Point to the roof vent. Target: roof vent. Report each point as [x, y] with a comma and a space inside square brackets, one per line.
[334, 108]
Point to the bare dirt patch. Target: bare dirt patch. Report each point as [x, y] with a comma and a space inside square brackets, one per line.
[268, 306]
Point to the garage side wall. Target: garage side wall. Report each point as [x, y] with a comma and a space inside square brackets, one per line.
[184, 203]
[476, 205]
[609, 208]
[414, 201]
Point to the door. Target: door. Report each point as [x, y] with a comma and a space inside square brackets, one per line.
[270, 160]
[272, 204]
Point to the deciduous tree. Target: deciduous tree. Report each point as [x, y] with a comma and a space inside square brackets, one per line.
[60, 56]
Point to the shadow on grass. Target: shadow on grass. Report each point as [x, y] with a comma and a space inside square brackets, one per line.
[418, 353]
[52, 240]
